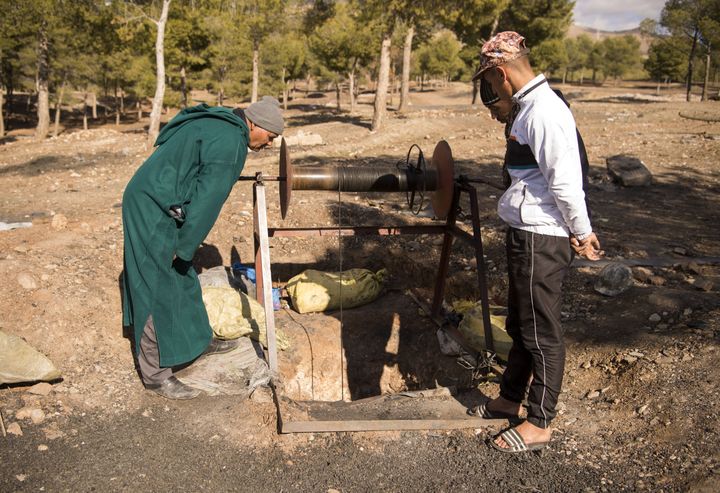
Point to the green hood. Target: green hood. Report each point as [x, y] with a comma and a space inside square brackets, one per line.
[195, 112]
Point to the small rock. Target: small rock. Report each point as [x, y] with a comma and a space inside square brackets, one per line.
[613, 279]
[413, 245]
[694, 268]
[21, 249]
[703, 284]
[680, 250]
[592, 394]
[42, 388]
[586, 365]
[36, 415]
[654, 318]
[641, 410]
[662, 326]
[42, 448]
[59, 222]
[663, 360]
[642, 274]
[629, 171]
[657, 280]
[629, 359]
[687, 311]
[27, 281]
[14, 429]
[21, 477]
[636, 354]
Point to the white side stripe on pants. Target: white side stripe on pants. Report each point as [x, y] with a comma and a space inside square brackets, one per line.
[532, 306]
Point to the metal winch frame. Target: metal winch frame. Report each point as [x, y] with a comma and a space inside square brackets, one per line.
[446, 190]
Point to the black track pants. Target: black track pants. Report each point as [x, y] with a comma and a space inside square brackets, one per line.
[537, 265]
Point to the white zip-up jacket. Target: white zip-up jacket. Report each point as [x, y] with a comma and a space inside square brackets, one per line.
[546, 198]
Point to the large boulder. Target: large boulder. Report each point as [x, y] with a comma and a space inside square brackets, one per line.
[629, 171]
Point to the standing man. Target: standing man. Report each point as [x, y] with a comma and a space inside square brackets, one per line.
[169, 207]
[544, 207]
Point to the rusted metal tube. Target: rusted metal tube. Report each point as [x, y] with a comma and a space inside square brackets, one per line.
[358, 179]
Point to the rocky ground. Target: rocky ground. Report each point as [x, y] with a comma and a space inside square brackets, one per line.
[640, 404]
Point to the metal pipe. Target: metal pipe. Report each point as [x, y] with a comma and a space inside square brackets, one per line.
[358, 179]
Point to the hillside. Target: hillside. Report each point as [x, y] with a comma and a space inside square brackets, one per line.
[598, 35]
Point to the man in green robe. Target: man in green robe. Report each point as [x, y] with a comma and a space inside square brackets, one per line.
[168, 208]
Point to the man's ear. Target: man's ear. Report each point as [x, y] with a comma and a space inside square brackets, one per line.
[501, 74]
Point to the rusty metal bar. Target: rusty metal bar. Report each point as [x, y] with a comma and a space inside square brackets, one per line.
[445, 255]
[381, 425]
[356, 231]
[480, 261]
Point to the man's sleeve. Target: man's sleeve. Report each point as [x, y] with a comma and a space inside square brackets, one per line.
[554, 143]
[214, 183]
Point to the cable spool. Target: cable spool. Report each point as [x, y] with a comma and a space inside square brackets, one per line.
[438, 178]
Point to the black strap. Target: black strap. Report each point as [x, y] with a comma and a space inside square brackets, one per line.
[531, 89]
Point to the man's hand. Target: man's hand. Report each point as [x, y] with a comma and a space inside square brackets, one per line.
[588, 247]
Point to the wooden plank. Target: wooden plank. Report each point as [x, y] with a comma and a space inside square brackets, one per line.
[382, 425]
[265, 275]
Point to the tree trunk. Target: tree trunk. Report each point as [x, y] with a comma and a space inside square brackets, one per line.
[94, 105]
[382, 82]
[407, 52]
[221, 96]
[256, 74]
[85, 107]
[43, 105]
[183, 87]
[565, 74]
[690, 65]
[337, 94]
[351, 79]
[2, 114]
[117, 105]
[154, 128]
[285, 89]
[707, 74]
[58, 107]
[495, 23]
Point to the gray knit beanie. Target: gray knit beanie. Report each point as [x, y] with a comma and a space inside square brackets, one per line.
[266, 114]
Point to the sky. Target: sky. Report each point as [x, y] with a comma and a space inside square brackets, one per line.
[615, 15]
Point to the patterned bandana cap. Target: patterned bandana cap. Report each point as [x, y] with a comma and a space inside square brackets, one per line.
[502, 48]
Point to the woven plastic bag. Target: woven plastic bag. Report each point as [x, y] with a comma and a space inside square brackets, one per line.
[472, 329]
[234, 314]
[317, 291]
[20, 362]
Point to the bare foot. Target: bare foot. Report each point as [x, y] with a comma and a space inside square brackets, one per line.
[530, 434]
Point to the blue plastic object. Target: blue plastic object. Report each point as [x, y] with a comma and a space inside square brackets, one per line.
[276, 299]
[240, 269]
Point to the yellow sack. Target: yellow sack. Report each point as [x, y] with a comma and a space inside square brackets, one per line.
[316, 291]
[472, 329]
[234, 314]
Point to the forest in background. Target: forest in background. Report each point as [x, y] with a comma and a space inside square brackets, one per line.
[57, 55]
